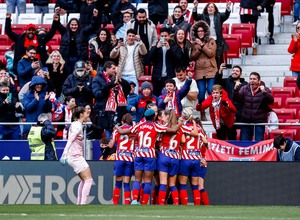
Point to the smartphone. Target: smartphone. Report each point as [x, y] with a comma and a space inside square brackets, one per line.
[228, 66]
[162, 39]
[45, 69]
[121, 39]
[9, 96]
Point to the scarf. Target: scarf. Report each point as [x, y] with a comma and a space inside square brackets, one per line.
[178, 21]
[216, 106]
[173, 104]
[116, 98]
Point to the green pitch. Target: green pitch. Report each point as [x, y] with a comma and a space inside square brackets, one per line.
[109, 212]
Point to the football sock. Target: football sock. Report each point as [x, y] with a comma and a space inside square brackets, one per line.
[142, 191]
[162, 194]
[146, 195]
[196, 194]
[154, 195]
[174, 193]
[135, 190]
[183, 194]
[126, 193]
[204, 197]
[86, 191]
[79, 192]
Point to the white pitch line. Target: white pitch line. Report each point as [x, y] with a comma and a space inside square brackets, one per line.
[144, 216]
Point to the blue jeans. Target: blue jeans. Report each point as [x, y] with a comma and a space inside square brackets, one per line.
[132, 78]
[247, 132]
[296, 11]
[203, 86]
[295, 73]
[11, 6]
[41, 9]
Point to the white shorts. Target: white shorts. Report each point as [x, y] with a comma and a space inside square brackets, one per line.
[78, 164]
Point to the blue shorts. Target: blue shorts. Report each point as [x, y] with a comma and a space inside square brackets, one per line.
[123, 168]
[203, 172]
[190, 168]
[167, 164]
[145, 163]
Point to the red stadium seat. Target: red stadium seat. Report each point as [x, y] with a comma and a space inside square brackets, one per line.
[4, 40]
[46, 26]
[283, 92]
[3, 49]
[277, 103]
[55, 40]
[225, 29]
[290, 133]
[142, 79]
[158, 27]
[110, 27]
[293, 103]
[235, 45]
[291, 81]
[18, 28]
[285, 113]
[297, 127]
[55, 47]
[247, 32]
[286, 7]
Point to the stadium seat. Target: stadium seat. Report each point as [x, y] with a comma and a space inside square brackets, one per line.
[48, 18]
[142, 79]
[297, 127]
[222, 6]
[247, 32]
[29, 8]
[30, 18]
[235, 45]
[293, 103]
[277, 103]
[291, 81]
[46, 26]
[3, 49]
[283, 92]
[110, 27]
[2, 8]
[234, 18]
[285, 113]
[55, 47]
[73, 15]
[225, 29]
[236, 7]
[277, 14]
[55, 40]
[288, 133]
[4, 40]
[262, 25]
[18, 28]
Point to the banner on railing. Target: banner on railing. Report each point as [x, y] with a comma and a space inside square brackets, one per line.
[219, 150]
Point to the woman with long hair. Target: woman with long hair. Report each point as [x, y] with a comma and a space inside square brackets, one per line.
[204, 55]
[73, 154]
[100, 47]
[176, 21]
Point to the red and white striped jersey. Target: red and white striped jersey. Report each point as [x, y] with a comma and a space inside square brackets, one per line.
[147, 133]
[192, 146]
[125, 144]
[170, 144]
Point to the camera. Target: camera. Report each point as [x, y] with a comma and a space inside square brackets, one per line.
[228, 66]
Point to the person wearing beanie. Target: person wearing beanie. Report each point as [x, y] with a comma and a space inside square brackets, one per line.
[139, 103]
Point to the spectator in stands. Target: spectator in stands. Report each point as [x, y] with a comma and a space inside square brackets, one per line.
[145, 28]
[255, 98]
[187, 14]
[181, 48]
[79, 85]
[67, 6]
[222, 112]
[120, 29]
[74, 41]
[249, 12]
[204, 55]
[56, 68]
[5, 78]
[176, 21]
[9, 56]
[287, 149]
[104, 7]
[171, 96]
[215, 20]
[229, 83]
[130, 57]
[162, 58]
[36, 101]
[130, 97]
[118, 7]
[158, 11]
[115, 92]
[28, 38]
[296, 11]
[9, 105]
[93, 131]
[100, 48]
[40, 6]
[294, 49]
[139, 103]
[40, 139]
[269, 5]
[27, 66]
[180, 79]
[12, 4]
[86, 13]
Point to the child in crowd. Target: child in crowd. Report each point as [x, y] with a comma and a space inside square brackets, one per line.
[107, 152]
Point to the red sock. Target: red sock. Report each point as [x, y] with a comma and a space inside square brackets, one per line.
[196, 194]
[141, 192]
[135, 194]
[161, 197]
[153, 197]
[116, 196]
[127, 198]
[183, 196]
[175, 197]
[204, 198]
[145, 199]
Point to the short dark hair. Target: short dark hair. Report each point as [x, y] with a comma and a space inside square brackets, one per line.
[180, 68]
[131, 31]
[108, 64]
[278, 141]
[178, 6]
[164, 29]
[141, 11]
[170, 81]
[237, 66]
[31, 47]
[255, 74]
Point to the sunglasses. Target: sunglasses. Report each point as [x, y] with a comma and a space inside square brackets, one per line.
[297, 28]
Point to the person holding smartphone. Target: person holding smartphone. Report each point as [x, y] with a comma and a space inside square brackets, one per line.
[8, 107]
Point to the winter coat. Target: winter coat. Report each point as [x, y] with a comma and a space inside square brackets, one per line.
[71, 6]
[70, 88]
[252, 4]
[40, 2]
[19, 40]
[105, 48]
[139, 51]
[255, 107]
[181, 55]
[158, 7]
[116, 15]
[179, 93]
[8, 111]
[227, 112]
[86, 14]
[294, 48]
[178, 24]
[228, 84]
[97, 84]
[34, 107]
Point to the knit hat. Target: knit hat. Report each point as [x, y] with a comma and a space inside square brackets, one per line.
[149, 112]
[145, 85]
